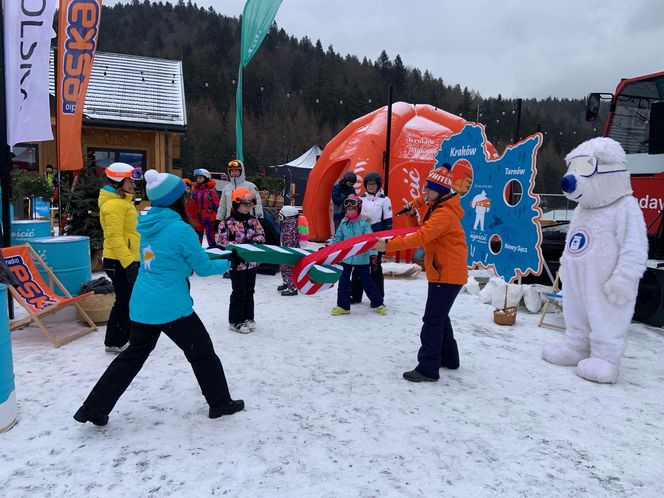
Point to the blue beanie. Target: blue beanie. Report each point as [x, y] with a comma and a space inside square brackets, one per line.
[163, 189]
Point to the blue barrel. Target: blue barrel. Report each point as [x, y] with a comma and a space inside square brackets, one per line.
[7, 392]
[68, 257]
[26, 230]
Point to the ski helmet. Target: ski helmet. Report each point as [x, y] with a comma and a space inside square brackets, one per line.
[349, 176]
[353, 201]
[242, 195]
[235, 164]
[289, 211]
[202, 172]
[117, 172]
[373, 177]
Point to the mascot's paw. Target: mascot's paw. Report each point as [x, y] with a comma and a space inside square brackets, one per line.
[598, 370]
[620, 290]
[563, 355]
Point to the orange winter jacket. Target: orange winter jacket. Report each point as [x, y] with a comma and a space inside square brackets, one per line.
[444, 242]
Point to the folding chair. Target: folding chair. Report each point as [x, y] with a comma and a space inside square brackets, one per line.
[554, 298]
[38, 298]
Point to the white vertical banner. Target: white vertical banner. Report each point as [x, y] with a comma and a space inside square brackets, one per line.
[28, 29]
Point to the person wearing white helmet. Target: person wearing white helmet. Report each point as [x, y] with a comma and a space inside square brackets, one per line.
[288, 237]
[237, 179]
[118, 218]
[203, 205]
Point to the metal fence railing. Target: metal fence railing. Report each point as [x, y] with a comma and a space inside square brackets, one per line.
[556, 207]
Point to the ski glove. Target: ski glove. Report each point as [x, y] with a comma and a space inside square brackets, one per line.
[619, 290]
[373, 261]
[132, 272]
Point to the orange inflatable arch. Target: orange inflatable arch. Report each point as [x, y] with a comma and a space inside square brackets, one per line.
[417, 132]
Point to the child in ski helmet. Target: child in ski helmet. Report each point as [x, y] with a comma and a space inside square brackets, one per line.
[237, 179]
[377, 208]
[289, 238]
[203, 205]
[352, 225]
[241, 227]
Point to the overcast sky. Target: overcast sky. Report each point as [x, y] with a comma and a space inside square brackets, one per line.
[519, 48]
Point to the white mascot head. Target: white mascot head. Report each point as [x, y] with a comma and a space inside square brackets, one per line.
[596, 173]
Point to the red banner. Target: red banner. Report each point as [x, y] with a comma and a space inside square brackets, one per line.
[78, 31]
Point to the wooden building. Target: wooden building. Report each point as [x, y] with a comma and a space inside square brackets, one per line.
[134, 112]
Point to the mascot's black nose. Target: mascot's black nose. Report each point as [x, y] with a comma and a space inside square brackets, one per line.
[568, 184]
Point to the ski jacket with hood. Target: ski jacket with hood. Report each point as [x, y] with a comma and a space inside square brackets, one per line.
[378, 210]
[225, 203]
[170, 251]
[240, 228]
[203, 203]
[118, 218]
[339, 194]
[444, 242]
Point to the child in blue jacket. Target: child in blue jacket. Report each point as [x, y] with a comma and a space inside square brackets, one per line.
[352, 225]
[161, 302]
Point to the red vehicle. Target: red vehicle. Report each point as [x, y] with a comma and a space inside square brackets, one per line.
[636, 120]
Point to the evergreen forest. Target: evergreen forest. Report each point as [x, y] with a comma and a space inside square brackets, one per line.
[298, 93]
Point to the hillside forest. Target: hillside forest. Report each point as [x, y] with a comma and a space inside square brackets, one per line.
[298, 93]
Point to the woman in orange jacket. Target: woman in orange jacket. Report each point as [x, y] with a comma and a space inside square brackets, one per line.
[445, 262]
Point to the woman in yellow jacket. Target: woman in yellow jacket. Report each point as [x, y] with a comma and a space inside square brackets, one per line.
[445, 255]
[118, 218]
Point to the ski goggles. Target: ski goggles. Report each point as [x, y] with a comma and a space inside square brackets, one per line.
[589, 165]
[351, 203]
[245, 200]
[137, 174]
[201, 172]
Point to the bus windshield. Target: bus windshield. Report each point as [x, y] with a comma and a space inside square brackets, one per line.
[631, 115]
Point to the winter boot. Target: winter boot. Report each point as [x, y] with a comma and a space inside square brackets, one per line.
[338, 310]
[240, 328]
[250, 324]
[282, 287]
[233, 406]
[83, 415]
[449, 355]
[289, 292]
[415, 376]
[381, 310]
[116, 349]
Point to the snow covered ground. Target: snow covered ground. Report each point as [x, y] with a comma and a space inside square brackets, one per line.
[328, 413]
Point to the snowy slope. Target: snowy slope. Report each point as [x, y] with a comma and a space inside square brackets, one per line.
[328, 413]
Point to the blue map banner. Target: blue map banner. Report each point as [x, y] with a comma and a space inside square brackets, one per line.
[502, 220]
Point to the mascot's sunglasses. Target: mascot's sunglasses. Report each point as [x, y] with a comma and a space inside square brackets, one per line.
[588, 166]
[350, 203]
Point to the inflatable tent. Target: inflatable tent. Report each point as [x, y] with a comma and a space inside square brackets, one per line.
[417, 132]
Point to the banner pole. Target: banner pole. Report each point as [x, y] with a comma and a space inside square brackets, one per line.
[5, 159]
[388, 141]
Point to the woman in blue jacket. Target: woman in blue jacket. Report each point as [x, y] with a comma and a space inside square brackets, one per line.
[160, 302]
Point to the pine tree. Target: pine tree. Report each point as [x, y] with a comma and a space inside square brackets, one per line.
[82, 209]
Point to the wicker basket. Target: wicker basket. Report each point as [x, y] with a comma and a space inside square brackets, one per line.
[98, 307]
[505, 316]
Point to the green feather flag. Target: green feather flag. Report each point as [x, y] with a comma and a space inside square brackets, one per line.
[257, 17]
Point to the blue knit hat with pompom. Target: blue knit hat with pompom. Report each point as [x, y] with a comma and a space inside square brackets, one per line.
[163, 189]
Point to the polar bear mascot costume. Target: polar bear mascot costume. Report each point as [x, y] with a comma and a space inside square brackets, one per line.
[605, 255]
